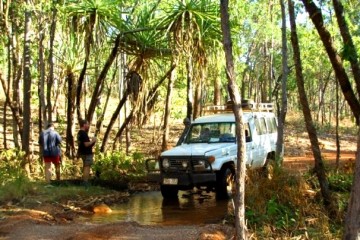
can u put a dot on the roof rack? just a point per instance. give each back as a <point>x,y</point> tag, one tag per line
<point>246,105</point>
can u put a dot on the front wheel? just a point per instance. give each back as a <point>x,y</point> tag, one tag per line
<point>225,183</point>
<point>169,192</point>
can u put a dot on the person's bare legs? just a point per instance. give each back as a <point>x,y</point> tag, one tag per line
<point>86,173</point>
<point>47,172</point>
<point>57,171</point>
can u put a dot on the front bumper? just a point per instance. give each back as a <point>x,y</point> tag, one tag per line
<point>182,179</point>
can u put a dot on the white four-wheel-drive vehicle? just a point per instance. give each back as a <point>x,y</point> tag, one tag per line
<point>206,157</point>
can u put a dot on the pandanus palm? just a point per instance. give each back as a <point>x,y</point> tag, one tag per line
<point>96,20</point>
<point>190,24</point>
<point>147,49</point>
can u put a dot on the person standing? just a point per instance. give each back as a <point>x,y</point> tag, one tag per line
<point>49,142</point>
<point>85,145</point>
<point>187,124</point>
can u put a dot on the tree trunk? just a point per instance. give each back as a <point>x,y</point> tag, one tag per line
<point>8,90</point>
<point>197,100</point>
<point>123,126</point>
<point>79,88</point>
<point>343,79</point>
<point>88,42</point>
<point>319,166</point>
<point>263,84</point>
<point>100,81</point>
<point>350,51</point>
<point>70,145</point>
<point>101,118</point>
<point>27,90</point>
<point>14,108</point>
<point>322,91</point>
<point>50,78</point>
<point>167,113</point>
<point>128,140</point>
<point>284,76</point>
<point>189,95</point>
<point>240,225</point>
<point>217,90</point>
<point>352,219</point>
<point>112,121</point>
<point>337,126</point>
<point>41,90</point>
<point>17,73</point>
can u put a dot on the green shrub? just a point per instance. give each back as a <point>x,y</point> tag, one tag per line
<point>340,182</point>
<point>117,166</point>
<point>14,183</point>
<point>287,206</point>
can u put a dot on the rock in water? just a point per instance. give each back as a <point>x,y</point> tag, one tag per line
<point>102,208</point>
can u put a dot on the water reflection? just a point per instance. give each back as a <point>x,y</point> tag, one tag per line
<point>149,208</point>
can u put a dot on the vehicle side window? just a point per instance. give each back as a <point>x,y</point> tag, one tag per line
<point>271,125</point>
<point>274,123</point>
<point>248,137</point>
<point>260,126</point>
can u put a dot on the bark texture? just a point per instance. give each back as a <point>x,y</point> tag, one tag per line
<point>336,61</point>
<point>240,224</point>
<point>319,165</point>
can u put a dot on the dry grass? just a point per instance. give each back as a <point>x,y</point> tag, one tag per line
<point>287,207</point>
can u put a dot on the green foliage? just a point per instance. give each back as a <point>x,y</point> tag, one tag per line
<point>340,182</point>
<point>14,183</point>
<point>285,216</point>
<point>117,166</point>
<point>10,161</point>
<point>272,201</point>
<point>348,53</point>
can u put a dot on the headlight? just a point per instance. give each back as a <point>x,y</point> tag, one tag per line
<point>184,164</point>
<point>202,163</point>
<point>165,163</point>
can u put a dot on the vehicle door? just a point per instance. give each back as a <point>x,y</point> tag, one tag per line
<point>260,142</point>
<point>252,143</point>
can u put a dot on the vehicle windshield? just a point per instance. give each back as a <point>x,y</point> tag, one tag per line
<point>211,133</point>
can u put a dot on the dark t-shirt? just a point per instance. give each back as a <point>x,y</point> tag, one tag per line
<point>83,137</point>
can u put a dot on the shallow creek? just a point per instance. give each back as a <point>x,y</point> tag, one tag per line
<point>149,208</point>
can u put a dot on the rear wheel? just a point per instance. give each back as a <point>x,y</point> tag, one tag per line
<point>169,192</point>
<point>225,183</point>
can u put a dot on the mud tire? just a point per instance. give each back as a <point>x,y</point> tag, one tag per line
<point>225,182</point>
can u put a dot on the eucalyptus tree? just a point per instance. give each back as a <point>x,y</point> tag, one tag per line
<point>41,68</point>
<point>352,223</point>
<point>258,47</point>
<point>284,100</point>
<point>352,220</point>
<point>240,223</point>
<point>11,18</point>
<point>349,49</point>
<point>319,165</point>
<point>27,84</point>
<point>45,14</point>
<point>335,59</point>
<point>5,28</point>
<point>50,60</point>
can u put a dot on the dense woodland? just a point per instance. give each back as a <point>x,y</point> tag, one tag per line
<point>117,63</point>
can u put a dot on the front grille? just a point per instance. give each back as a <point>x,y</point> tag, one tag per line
<point>176,162</point>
